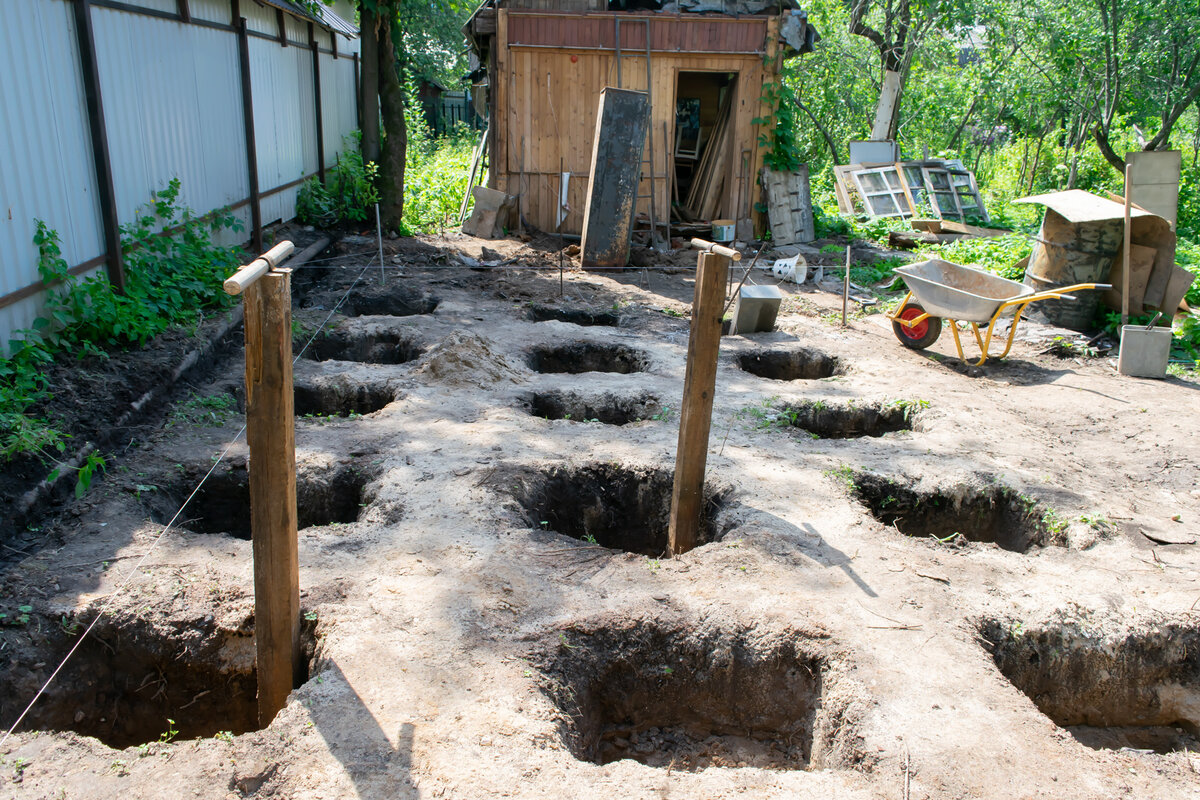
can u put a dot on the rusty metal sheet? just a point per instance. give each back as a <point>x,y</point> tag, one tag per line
<point>621,125</point>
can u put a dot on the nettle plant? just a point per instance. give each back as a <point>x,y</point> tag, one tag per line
<point>172,278</point>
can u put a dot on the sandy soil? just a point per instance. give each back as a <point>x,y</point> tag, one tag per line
<point>993,597</point>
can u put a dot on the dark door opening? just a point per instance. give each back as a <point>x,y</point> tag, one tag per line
<point>703,142</point>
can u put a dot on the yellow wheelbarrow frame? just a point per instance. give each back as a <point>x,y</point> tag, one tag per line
<point>1019,304</point>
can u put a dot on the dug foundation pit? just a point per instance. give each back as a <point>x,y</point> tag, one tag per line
<point>394,299</point>
<point>609,409</point>
<point>341,398</point>
<point>576,316</point>
<point>671,696</point>
<point>617,506</point>
<point>579,357</point>
<point>1110,688</point>
<point>132,681</point>
<point>789,365</point>
<point>846,420</point>
<point>982,511</point>
<point>380,347</point>
<point>324,496</point>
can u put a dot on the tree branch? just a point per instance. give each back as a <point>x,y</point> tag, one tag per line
<point>1101,137</point>
<point>820,127</point>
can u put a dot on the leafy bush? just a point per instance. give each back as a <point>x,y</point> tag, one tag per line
<point>170,280</point>
<point>998,254</point>
<point>435,180</point>
<point>348,193</point>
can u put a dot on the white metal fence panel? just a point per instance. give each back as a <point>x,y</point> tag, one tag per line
<point>45,150</point>
<point>284,126</point>
<point>340,112</point>
<point>173,109</point>
<point>172,106</point>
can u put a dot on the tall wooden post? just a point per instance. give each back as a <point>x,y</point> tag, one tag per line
<point>695,415</point>
<point>271,434</point>
<point>1125,251</point>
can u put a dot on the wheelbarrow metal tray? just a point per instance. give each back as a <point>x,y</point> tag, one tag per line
<point>950,290</point>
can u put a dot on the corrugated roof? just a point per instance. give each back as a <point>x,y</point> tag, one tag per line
<point>326,18</point>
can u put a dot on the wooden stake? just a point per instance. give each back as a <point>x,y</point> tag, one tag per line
<point>695,416</point>
<point>1128,268</point>
<point>846,285</point>
<point>270,432</point>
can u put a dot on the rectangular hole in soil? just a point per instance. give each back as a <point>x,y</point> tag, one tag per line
<point>129,677</point>
<point>340,398</point>
<point>1109,687</point>
<point>844,421</point>
<point>222,505</point>
<point>577,316</point>
<point>609,409</point>
<point>789,365</point>
<point>383,347</point>
<point>983,511</point>
<point>671,696</point>
<point>611,505</point>
<point>579,357</point>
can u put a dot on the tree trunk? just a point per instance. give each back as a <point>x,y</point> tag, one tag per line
<point>887,112</point>
<point>820,127</point>
<point>369,85</point>
<point>395,144</point>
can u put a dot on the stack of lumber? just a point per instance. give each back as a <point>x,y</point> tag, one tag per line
<point>704,196</point>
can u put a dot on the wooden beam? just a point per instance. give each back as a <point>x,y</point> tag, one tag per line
<point>695,415</point>
<point>101,159</point>
<point>271,435</point>
<point>185,12</point>
<point>316,68</point>
<point>279,21</point>
<point>256,232</point>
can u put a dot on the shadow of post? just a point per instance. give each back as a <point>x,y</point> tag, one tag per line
<point>377,767</point>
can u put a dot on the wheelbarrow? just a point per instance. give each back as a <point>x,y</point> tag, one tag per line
<point>942,290</point>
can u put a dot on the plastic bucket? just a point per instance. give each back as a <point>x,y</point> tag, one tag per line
<point>723,230</point>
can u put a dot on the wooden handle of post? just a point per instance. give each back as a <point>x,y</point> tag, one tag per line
<point>719,249</point>
<point>237,283</point>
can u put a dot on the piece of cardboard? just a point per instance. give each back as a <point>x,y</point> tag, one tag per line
<point>1143,263</point>
<point>1177,287</point>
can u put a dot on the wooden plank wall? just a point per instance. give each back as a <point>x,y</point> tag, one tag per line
<point>546,101</point>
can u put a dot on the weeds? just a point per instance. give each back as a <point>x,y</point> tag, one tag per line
<point>348,193</point>
<point>211,411</point>
<point>169,280</point>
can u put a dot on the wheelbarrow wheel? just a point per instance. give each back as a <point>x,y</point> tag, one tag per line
<point>921,335</point>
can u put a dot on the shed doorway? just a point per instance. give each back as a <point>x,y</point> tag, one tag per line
<point>703,142</point>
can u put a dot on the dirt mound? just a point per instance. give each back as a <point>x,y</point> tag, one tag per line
<point>464,359</point>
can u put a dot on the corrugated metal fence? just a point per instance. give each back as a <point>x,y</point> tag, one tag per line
<point>169,75</point>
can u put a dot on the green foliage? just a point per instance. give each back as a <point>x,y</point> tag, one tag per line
<point>348,194</point>
<point>435,180</point>
<point>210,411</point>
<point>998,254</point>
<point>780,128</point>
<point>170,280</point>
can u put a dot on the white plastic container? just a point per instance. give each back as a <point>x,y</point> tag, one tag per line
<point>1144,352</point>
<point>723,230</point>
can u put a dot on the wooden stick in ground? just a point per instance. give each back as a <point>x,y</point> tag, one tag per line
<point>695,415</point>
<point>846,285</point>
<point>270,432</point>
<point>1127,267</point>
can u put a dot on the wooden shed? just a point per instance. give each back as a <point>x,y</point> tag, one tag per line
<point>546,62</point>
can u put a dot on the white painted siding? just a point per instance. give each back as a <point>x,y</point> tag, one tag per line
<point>173,109</point>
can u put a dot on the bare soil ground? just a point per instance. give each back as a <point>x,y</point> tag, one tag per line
<point>917,579</point>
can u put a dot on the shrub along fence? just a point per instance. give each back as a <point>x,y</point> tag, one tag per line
<point>239,101</point>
